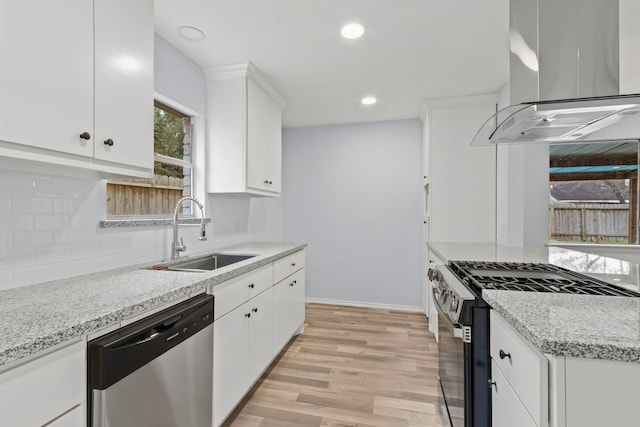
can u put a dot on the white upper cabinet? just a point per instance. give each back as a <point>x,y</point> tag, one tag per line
<point>245,132</point>
<point>46,77</point>
<point>124,82</point>
<point>76,84</point>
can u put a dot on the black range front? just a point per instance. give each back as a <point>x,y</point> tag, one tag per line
<point>464,330</point>
<point>463,350</point>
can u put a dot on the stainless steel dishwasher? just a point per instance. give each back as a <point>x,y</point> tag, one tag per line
<point>155,372</point>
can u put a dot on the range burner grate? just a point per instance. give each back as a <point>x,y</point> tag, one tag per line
<point>531,277</point>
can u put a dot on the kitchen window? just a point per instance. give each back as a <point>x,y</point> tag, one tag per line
<point>172,175</point>
<point>593,193</point>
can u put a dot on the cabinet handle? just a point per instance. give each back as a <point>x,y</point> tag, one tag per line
<point>266,181</point>
<point>504,355</point>
<point>293,283</point>
<point>247,315</point>
<point>85,135</point>
<point>251,286</point>
<point>293,264</point>
<point>493,384</point>
<point>255,310</point>
<point>109,142</point>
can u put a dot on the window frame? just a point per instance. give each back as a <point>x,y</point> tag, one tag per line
<point>196,141</point>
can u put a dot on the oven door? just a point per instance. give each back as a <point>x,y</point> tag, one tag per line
<point>451,368</point>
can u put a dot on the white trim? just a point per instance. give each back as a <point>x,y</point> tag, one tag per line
<point>413,309</point>
<point>244,70</point>
<point>171,160</point>
<point>461,101</point>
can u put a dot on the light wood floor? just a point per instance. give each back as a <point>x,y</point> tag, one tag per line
<point>351,367</point>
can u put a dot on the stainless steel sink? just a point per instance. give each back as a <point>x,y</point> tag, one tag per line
<point>207,263</point>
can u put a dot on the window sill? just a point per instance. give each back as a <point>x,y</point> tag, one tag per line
<point>147,222</point>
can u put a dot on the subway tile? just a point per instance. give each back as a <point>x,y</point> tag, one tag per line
<point>31,205</point>
<point>13,222</point>
<point>16,185</point>
<point>6,279</point>
<point>31,275</point>
<point>5,204</point>
<point>51,222</point>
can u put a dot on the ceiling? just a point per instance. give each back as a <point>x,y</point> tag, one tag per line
<point>411,50</point>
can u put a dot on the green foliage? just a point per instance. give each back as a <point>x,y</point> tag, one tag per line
<point>168,139</point>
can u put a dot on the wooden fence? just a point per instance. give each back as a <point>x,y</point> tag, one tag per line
<point>589,222</point>
<point>157,195</point>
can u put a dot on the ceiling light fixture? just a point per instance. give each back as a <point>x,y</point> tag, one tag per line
<point>352,31</point>
<point>369,100</point>
<point>191,33</point>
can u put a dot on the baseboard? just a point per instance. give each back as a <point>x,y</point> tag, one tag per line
<point>367,305</point>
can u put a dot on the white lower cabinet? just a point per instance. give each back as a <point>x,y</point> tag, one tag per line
<point>523,368</point>
<point>532,389</point>
<point>243,348</point>
<point>50,390</point>
<point>289,296</point>
<point>254,321</point>
<point>74,418</point>
<point>230,361</point>
<point>507,409</point>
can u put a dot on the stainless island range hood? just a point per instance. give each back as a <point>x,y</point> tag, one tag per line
<point>574,73</point>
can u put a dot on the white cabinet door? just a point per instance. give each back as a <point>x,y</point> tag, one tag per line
<point>37,392</point>
<point>506,409</point>
<point>289,296</point>
<point>261,349</point>
<point>264,140</point>
<point>46,76</point>
<point>74,418</point>
<point>230,361</point>
<point>124,82</point>
<point>244,122</point>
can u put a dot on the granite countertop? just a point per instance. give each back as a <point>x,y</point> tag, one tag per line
<point>597,327</point>
<point>43,315</point>
<point>594,327</point>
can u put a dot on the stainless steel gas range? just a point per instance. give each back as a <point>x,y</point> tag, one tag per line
<point>463,325</point>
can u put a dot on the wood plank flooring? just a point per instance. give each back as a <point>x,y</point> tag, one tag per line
<point>351,367</point>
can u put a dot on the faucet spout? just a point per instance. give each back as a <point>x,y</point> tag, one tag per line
<point>176,247</point>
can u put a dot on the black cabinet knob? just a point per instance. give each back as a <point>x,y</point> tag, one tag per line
<point>267,181</point>
<point>109,142</point>
<point>492,384</point>
<point>85,135</point>
<point>251,286</point>
<point>255,310</point>
<point>247,315</point>
<point>504,355</point>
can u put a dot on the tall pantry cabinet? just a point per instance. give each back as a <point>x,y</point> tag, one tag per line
<point>459,180</point>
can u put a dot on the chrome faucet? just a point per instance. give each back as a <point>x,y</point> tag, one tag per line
<point>175,247</point>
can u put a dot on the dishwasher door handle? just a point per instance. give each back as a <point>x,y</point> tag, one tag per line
<point>150,334</point>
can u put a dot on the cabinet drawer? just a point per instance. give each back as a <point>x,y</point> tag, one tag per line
<point>523,367</point>
<point>288,265</point>
<point>39,391</point>
<point>506,409</point>
<point>235,292</point>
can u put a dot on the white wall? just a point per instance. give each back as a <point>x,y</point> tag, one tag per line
<point>49,223</point>
<point>522,200</point>
<point>353,193</point>
<point>462,191</point>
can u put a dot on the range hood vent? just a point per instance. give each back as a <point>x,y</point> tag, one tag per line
<point>573,77</point>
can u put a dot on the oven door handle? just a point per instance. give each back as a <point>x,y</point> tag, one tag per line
<point>455,325</point>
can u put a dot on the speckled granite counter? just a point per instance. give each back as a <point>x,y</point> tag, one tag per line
<point>593,327</point>
<point>41,316</point>
<point>596,327</point>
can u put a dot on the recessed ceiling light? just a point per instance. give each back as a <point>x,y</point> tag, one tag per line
<point>191,33</point>
<point>352,31</point>
<point>369,100</point>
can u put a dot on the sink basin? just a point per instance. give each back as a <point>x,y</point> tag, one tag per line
<point>207,263</point>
